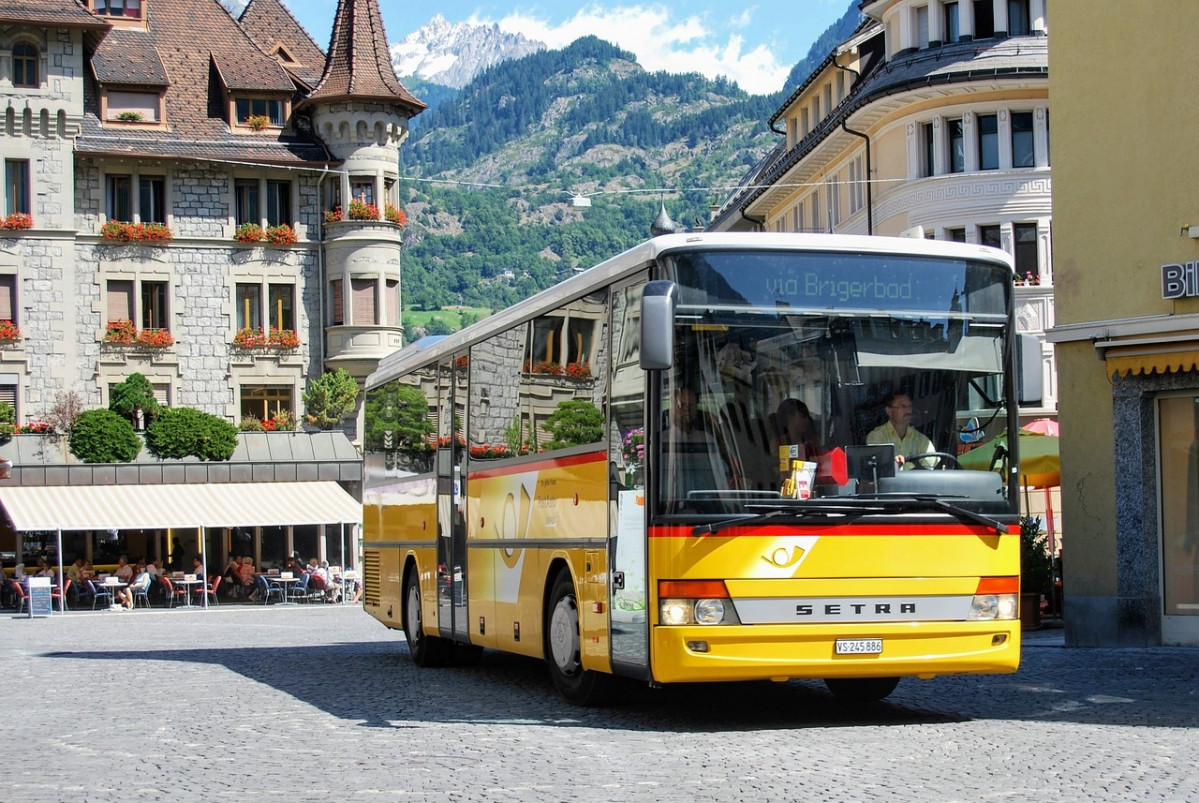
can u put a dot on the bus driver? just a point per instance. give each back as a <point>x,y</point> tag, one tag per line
<point>897,430</point>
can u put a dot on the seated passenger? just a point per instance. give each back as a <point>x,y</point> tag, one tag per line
<point>797,428</point>
<point>909,442</point>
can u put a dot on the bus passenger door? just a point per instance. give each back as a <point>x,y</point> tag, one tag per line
<point>451,498</point>
<point>628,586</point>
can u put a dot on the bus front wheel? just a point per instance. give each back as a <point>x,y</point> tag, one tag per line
<point>562,651</point>
<point>424,650</point>
<point>861,690</point>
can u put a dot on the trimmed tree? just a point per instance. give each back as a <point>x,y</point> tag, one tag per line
<point>330,399</point>
<point>134,394</point>
<point>181,431</point>
<point>102,436</point>
<point>573,423</point>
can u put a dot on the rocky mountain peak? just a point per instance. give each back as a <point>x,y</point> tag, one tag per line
<point>452,54</point>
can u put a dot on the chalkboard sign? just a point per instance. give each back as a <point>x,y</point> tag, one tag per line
<point>41,603</point>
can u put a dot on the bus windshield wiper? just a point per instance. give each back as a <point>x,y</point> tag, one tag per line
<point>789,509</point>
<point>921,500</point>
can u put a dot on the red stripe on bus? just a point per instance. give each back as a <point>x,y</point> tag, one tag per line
<point>774,530</point>
<point>540,465</point>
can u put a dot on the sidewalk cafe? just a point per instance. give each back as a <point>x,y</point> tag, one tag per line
<point>269,521</point>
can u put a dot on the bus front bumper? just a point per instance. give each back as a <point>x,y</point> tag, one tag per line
<point>694,653</point>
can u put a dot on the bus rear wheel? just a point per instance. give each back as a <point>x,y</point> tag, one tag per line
<point>424,650</point>
<point>861,690</point>
<point>580,686</point>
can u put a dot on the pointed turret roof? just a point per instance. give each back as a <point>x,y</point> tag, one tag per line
<point>358,63</point>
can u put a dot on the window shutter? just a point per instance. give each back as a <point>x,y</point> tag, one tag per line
<point>363,311</point>
<point>8,395</point>
<point>162,394</point>
<point>8,295</point>
<point>336,308</point>
<point>120,300</point>
<point>392,309</point>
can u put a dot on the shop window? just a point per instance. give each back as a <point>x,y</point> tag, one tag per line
<point>25,65</point>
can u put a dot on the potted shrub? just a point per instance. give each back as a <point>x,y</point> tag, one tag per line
<point>249,233</point>
<point>1036,571</point>
<point>131,117</point>
<point>102,436</point>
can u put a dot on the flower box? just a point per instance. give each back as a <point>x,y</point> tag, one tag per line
<point>395,215</point>
<point>17,221</point>
<point>249,233</point>
<point>360,210</point>
<point>116,231</point>
<point>120,332</point>
<point>257,122</point>
<point>283,339</point>
<point>282,234</point>
<point>9,331</point>
<point>334,215</point>
<point>155,338</point>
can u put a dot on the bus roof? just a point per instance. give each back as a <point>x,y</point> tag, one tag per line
<point>645,254</point>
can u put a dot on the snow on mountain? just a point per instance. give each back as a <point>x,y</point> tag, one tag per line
<point>454,54</point>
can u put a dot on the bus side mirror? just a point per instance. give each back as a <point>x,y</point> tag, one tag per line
<point>1029,360</point>
<point>658,300</point>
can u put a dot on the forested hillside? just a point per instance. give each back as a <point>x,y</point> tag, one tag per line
<point>491,169</point>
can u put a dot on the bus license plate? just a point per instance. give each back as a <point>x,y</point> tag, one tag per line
<point>859,646</point>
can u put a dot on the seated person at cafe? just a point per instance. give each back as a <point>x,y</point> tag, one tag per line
<point>124,572</point>
<point>295,566</point>
<point>332,584</point>
<point>897,430</point>
<point>141,583</point>
<point>198,568</point>
<point>229,582</point>
<point>74,570</point>
<point>245,576</point>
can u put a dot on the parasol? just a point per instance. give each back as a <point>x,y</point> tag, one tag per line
<point>1040,465</point>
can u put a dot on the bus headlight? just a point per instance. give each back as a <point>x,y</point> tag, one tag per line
<point>709,611</point>
<point>675,612</point>
<point>690,602</point>
<point>985,607</point>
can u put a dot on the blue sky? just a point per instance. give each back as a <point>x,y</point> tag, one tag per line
<point>755,45</point>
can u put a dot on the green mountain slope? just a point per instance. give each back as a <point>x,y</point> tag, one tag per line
<point>490,170</point>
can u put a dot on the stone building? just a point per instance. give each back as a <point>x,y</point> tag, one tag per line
<point>210,201</point>
<point>931,120</point>
<point>219,191</point>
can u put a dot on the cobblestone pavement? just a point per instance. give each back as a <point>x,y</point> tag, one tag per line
<point>321,703</point>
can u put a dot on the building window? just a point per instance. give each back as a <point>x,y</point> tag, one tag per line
<point>278,203</point>
<point>953,32</point>
<point>24,65</point>
<point>281,313</point>
<point>922,27</point>
<point>363,190</point>
<point>856,180</point>
<point>363,303</point>
<point>1023,154</point>
<point>249,306</point>
<point>814,205</point>
<point>797,217</point>
<point>832,196</point>
<point>8,298</point>
<point>154,305</point>
<point>955,235</point>
<point>927,161</point>
<point>956,138</point>
<point>16,186</point>
<point>118,8</point>
<point>245,202</point>
<point>9,395</point>
<point>1024,236</point>
<point>1018,22</point>
<point>989,235</point>
<point>984,19</point>
<point>152,199</point>
<point>246,108</point>
<point>336,303</point>
<point>988,142</point>
<point>119,198</point>
<point>132,107</point>
<point>265,401</point>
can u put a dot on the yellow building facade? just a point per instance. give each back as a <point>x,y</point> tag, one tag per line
<point>1126,256</point>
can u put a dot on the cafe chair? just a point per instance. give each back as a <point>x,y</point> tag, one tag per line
<point>299,591</point>
<point>268,589</point>
<point>99,593</point>
<point>21,595</point>
<point>83,594</point>
<point>60,594</point>
<point>142,595</point>
<point>174,593</point>
<point>209,590</point>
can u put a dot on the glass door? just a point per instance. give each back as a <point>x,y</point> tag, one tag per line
<point>1178,448</point>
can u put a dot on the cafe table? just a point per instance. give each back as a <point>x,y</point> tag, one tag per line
<point>187,581</point>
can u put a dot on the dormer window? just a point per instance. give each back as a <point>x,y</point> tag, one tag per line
<point>24,65</point>
<point>250,110</point>
<point>122,106</point>
<point>118,8</point>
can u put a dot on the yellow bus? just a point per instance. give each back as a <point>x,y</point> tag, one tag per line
<point>714,457</point>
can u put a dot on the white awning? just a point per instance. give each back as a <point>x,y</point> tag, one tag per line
<point>147,507</point>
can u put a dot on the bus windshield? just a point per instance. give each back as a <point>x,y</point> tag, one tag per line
<point>804,376</point>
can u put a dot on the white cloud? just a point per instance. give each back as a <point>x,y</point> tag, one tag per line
<point>662,40</point>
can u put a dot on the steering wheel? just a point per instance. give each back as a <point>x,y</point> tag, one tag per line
<point>944,460</point>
